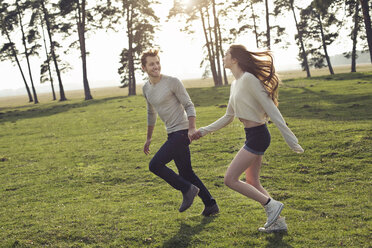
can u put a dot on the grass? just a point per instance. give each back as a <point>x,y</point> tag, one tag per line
<point>73,174</point>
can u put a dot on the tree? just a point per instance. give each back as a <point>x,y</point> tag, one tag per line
<point>206,12</point>
<point>367,24</point>
<point>318,19</point>
<point>207,29</point>
<point>53,27</point>
<point>226,81</point>
<point>254,9</point>
<point>140,25</point>
<point>353,11</point>
<point>76,10</point>
<point>9,51</point>
<point>31,37</point>
<point>249,11</point>
<point>45,67</point>
<point>288,5</point>
<point>267,15</point>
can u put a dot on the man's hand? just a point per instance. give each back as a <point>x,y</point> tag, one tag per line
<point>146,148</point>
<point>191,133</point>
<point>195,135</point>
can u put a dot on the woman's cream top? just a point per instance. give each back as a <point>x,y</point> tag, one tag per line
<point>249,100</point>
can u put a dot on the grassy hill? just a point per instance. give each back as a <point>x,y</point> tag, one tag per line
<point>73,174</point>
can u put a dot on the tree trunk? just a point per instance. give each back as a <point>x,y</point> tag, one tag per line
<point>47,57</point>
<point>217,44</point>
<point>302,48</point>
<point>52,51</point>
<point>211,61</point>
<point>26,53</point>
<point>81,32</point>
<point>213,53</point>
<point>221,51</point>
<point>131,74</point>
<point>19,65</point>
<point>133,80</point>
<point>129,49</point>
<point>325,46</point>
<point>267,25</point>
<point>355,36</point>
<point>255,26</point>
<point>367,24</point>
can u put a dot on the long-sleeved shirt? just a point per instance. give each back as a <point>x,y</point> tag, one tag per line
<point>249,100</point>
<point>170,100</point>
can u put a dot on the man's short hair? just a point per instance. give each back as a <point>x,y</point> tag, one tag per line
<point>149,53</point>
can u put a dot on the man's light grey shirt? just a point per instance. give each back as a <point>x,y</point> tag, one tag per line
<point>170,100</point>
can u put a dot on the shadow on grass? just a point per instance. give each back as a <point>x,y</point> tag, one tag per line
<point>323,105</point>
<point>204,97</point>
<point>309,103</point>
<point>336,77</point>
<point>185,234</point>
<point>276,240</point>
<point>36,111</point>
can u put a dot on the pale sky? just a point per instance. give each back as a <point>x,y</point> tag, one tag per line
<point>180,56</point>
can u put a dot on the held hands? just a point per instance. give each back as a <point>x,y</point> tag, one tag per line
<point>194,134</point>
<point>146,148</point>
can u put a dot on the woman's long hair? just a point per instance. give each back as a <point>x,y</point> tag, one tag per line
<point>264,70</point>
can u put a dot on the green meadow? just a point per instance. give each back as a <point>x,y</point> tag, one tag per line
<point>73,174</point>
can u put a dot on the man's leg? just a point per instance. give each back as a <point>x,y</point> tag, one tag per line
<point>183,162</point>
<point>159,168</point>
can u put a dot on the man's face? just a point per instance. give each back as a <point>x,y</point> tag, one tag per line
<point>152,67</point>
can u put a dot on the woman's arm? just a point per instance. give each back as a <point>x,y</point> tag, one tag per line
<point>221,122</point>
<point>260,94</point>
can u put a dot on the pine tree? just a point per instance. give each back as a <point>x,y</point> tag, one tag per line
<point>28,38</point>
<point>206,12</point>
<point>318,19</point>
<point>76,12</point>
<point>8,51</point>
<point>367,23</point>
<point>289,5</point>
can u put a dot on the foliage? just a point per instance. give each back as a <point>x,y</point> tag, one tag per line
<point>321,25</point>
<point>70,179</point>
<point>141,23</point>
<point>361,36</point>
<point>207,13</point>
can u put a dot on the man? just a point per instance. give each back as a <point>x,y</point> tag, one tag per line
<point>167,97</point>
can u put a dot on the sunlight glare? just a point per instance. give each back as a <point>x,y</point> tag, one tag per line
<point>185,2</point>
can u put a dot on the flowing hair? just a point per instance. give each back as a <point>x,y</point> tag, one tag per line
<point>263,69</point>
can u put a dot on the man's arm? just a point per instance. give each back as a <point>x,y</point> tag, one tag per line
<point>192,127</point>
<point>146,148</point>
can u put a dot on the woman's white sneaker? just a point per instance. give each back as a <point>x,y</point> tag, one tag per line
<point>278,226</point>
<point>273,210</point>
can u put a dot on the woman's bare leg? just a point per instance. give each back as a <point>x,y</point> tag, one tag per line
<point>252,175</point>
<point>242,161</point>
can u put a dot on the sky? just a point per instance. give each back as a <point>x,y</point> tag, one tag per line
<point>180,56</point>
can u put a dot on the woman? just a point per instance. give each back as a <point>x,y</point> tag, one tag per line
<point>253,98</point>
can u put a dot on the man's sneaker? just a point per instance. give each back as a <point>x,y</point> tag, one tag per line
<point>273,209</point>
<point>278,226</point>
<point>211,210</point>
<point>188,197</point>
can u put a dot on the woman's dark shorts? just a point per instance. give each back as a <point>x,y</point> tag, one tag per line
<point>257,139</point>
